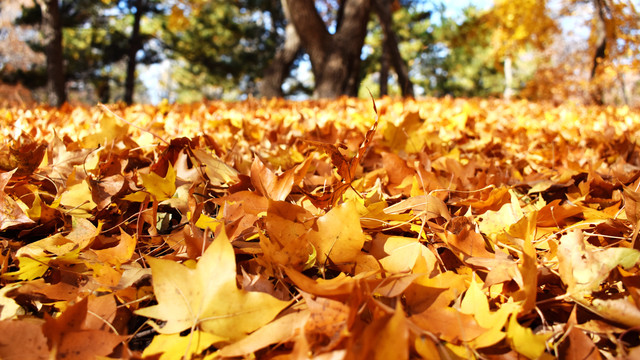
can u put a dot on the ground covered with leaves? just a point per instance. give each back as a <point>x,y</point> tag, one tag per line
<point>448,229</point>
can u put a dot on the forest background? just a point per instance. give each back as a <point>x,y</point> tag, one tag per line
<point>101,51</point>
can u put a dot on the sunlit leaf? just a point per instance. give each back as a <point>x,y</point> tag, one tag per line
<point>208,297</point>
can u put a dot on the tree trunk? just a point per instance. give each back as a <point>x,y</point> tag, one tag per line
<point>384,68</point>
<point>383,10</point>
<point>133,50</point>
<point>103,90</point>
<point>508,78</point>
<point>52,34</point>
<point>597,93</point>
<point>335,59</point>
<point>278,70</point>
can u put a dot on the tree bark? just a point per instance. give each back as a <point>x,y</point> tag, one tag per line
<point>508,78</point>
<point>335,59</point>
<point>135,45</point>
<point>383,10</point>
<point>597,93</point>
<point>278,70</point>
<point>384,68</point>
<point>52,34</point>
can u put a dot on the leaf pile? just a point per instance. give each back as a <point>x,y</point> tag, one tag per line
<point>448,229</point>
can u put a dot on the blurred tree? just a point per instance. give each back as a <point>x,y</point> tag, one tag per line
<point>95,42</point>
<point>234,60</point>
<point>448,56</point>
<point>138,8</point>
<point>335,58</point>
<point>280,66</point>
<point>615,35</point>
<point>52,38</point>
<point>56,19</point>
<point>224,43</point>
<point>466,66</point>
<point>600,68</point>
<point>519,25</point>
<point>384,10</point>
<point>332,15</point>
<point>16,56</point>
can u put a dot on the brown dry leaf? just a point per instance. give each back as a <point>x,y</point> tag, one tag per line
<point>576,344</point>
<point>462,237</point>
<point>277,187</point>
<point>328,322</point>
<point>556,215</point>
<point>23,339</point>
<point>384,338</point>
<point>80,237</point>
<point>431,206</point>
<point>632,210</point>
<point>68,339</point>
<point>242,209</point>
<point>528,267</point>
<point>120,253</point>
<point>285,242</point>
<point>24,155</point>
<point>446,322</point>
<point>11,215</point>
<point>340,285</point>
<point>493,201</point>
<point>216,170</point>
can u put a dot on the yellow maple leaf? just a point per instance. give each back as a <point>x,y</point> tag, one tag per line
<point>524,341</point>
<point>77,198</point>
<point>175,346</point>
<point>339,236</point>
<point>476,303</point>
<point>161,188</point>
<point>207,296</point>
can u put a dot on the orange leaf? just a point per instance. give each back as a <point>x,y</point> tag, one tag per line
<point>68,339</point>
<point>276,187</point>
<point>23,339</point>
<point>284,242</point>
<point>11,215</point>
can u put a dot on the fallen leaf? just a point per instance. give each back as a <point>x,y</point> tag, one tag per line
<point>208,297</point>
<point>577,344</point>
<point>524,341</point>
<point>177,346</point>
<point>279,331</point>
<point>67,339</point>
<point>285,242</point>
<point>276,187</point>
<point>77,200</point>
<point>23,340</point>
<point>339,237</point>
<point>216,170</point>
<point>11,215</point>
<point>583,269</point>
<point>161,188</point>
